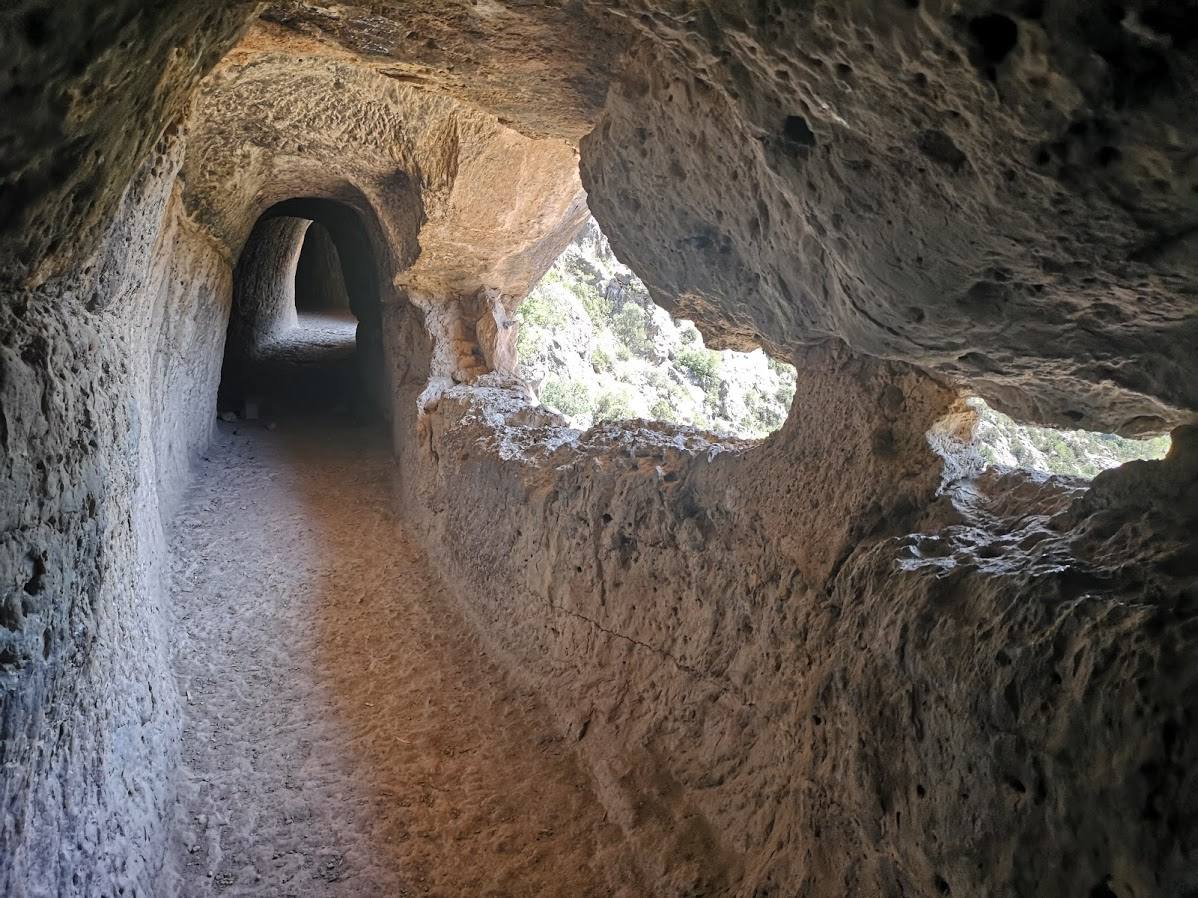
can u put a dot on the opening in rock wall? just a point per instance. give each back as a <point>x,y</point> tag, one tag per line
<point>305,289</point>
<point>319,282</point>
<point>595,347</point>
<point>1003,442</point>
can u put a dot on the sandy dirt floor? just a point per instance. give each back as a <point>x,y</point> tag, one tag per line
<point>344,734</point>
<point>316,338</point>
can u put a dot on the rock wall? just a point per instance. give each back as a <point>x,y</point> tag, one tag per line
<point>108,387</point>
<point>1002,192</point>
<point>264,291</point>
<point>795,669</point>
<point>85,96</point>
<point>272,127</point>
<point>793,666</point>
<point>110,362</point>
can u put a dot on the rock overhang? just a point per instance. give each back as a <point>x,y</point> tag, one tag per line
<point>1001,193</point>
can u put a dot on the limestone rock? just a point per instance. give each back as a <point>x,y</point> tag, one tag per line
<point>1004,195</point>
<point>807,665</point>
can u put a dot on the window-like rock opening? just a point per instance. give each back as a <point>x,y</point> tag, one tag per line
<point>305,295</point>
<point>1003,442</point>
<point>595,347</point>
<point>319,282</point>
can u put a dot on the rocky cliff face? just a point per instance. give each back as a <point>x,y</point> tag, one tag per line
<point>978,189</point>
<point>819,664</point>
<point>108,390</point>
<point>969,187</point>
<point>112,356</point>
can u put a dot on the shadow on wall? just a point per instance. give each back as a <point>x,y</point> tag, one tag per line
<point>304,332</point>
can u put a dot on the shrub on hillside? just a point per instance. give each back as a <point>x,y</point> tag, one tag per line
<point>614,405</point>
<point>629,327</point>
<point>702,365</point>
<point>601,361</point>
<point>570,397</point>
<point>541,310</point>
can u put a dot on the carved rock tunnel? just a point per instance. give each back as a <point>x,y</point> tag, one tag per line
<point>327,356</point>
<point>445,644</point>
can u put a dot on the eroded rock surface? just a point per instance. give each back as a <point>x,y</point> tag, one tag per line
<point>432,172</point>
<point>1006,195</point>
<point>773,674</point>
<point>107,389</point>
<point>802,666</point>
<point>1003,193</point>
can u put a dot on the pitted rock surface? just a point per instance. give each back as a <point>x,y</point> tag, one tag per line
<point>828,663</point>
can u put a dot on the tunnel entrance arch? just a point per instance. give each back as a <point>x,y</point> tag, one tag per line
<point>305,338</point>
<point>319,282</point>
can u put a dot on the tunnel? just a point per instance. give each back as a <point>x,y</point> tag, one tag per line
<point>304,328</point>
<point>319,280</point>
<point>338,559</point>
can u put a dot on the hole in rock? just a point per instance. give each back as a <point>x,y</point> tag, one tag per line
<point>305,306</point>
<point>995,36</point>
<point>596,348</point>
<point>37,27</point>
<point>798,132</point>
<point>939,147</point>
<point>1003,442</point>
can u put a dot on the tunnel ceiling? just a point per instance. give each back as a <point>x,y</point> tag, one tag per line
<point>461,201</point>
<point>1003,193</point>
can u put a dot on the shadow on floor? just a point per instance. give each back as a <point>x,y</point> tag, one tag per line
<point>310,369</point>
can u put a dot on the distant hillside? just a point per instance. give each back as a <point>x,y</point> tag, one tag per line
<point>1081,453</point>
<point>596,348</point>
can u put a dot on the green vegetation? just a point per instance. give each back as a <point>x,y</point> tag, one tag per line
<point>629,327</point>
<point>540,310</point>
<point>614,405</point>
<point>702,365</point>
<point>601,361</point>
<point>663,410</point>
<point>1080,453</point>
<point>570,397</point>
<point>597,349</point>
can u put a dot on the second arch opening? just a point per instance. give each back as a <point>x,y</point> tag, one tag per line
<point>304,333</point>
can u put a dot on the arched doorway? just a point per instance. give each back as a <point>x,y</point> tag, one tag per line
<point>304,329</point>
<point>319,282</point>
